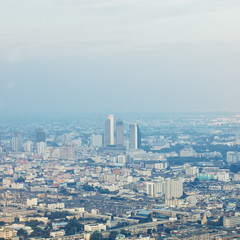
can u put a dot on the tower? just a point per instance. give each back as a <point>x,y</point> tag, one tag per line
<point>40,141</point>
<point>135,136</point>
<point>174,188</point>
<point>109,131</point>
<point>119,132</point>
<point>17,144</point>
<point>40,135</point>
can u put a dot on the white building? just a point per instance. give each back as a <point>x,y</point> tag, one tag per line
<point>135,136</point>
<point>95,227</point>
<point>40,147</point>
<point>187,152</point>
<point>229,222</point>
<point>192,171</point>
<point>28,146</point>
<point>32,202</point>
<point>223,176</point>
<point>233,157</point>
<point>155,188</point>
<point>95,211</point>
<point>109,131</point>
<point>173,188</point>
<point>17,143</point>
<point>96,140</point>
<point>121,159</point>
<point>57,234</point>
<point>56,206</point>
<point>7,233</point>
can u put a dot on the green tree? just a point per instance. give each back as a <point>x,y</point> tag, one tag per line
<point>96,236</point>
<point>113,235</point>
<point>167,230</point>
<point>22,234</point>
<point>73,227</point>
<point>32,223</point>
<point>37,232</point>
<point>20,180</point>
<point>149,231</point>
<point>56,215</point>
<point>126,233</point>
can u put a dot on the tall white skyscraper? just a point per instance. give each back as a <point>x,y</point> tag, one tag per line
<point>135,136</point>
<point>109,131</point>
<point>174,188</point>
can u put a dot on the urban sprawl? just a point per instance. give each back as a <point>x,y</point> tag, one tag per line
<point>175,177</point>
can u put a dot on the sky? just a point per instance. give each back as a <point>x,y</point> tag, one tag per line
<point>74,56</point>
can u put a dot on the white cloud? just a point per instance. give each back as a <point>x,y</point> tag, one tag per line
<point>69,27</point>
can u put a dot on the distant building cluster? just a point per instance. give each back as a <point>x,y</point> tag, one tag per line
<point>177,178</point>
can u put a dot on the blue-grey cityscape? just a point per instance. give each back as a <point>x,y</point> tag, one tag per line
<point>121,176</point>
<point>119,119</point>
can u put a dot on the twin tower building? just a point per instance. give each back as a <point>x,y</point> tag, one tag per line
<point>109,134</point>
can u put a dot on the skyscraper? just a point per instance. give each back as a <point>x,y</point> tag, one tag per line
<point>96,140</point>
<point>119,132</point>
<point>174,188</point>
<point>40,135</point>
<point>17,143</point>
<point>135,136</point>
<point>109,131</point>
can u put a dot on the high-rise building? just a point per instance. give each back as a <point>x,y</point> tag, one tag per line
<point>40,147</point>
<point>233,157</point>
<point>109,131</point>
<point>173,188</point>
<point>154,188</point>
<point>135,136</point>
<point>17,143</point>
<point>28,146</point>
<point>40,135</point>
<point>119,132</point>
<point>150,188</point>
<point>96,140</point>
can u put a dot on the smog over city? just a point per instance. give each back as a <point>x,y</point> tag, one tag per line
<point>119,119</point>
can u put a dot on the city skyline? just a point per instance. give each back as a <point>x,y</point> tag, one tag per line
<point>119,120</point>
<point>57,174</point>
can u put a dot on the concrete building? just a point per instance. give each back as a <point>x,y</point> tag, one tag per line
<point>119,132</point>
<point>154,188</point>
<point>173,188</point>
<point>109,131</point>
<point>192,171</point>
<point>134,136</point>
<point>28,146</point>
<point>233,157</point>
<point>32,202</point>
<point>96,140</point>
<point>230,222</point>
<point>17,144</point>
<point>187,152</point>
<point>95,227</point>
<point>40,135</point>
<point>40,147</point>
<point>7,233</point>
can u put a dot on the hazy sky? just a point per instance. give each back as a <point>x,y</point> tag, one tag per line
<point>119,55</point>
